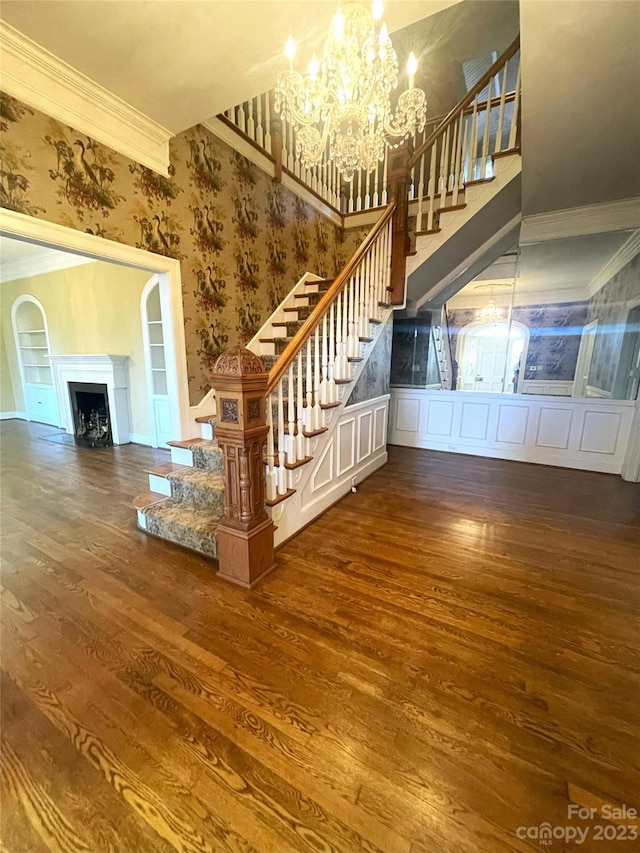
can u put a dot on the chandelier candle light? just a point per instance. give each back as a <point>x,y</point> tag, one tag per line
<point>344,102</point>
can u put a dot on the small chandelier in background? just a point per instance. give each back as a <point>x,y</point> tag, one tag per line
<point>490,313</point>
<point>345,99</point>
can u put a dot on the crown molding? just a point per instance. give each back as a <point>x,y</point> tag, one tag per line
<point>625,253</point>
<point>580,221</point>
<point>43,262</point>
<point>47,83</point>
<point>522,299</point>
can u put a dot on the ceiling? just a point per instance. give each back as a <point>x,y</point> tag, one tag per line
<point>19,259</point>
<point>182,61</point>
<point>554,270</point>
<point>580,107</point>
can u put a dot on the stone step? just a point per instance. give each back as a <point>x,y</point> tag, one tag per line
<point>189,526</point>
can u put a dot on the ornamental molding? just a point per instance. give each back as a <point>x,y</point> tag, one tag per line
<point>43,81</point>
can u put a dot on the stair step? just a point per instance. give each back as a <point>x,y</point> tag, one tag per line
<point>384,305</point>
<point>354,359</point>
<point>452,207</point>
<point>207,419</point>
<point>344,381</point>
<point>166,469</point>
<point>430,231</point>
<point>365,340</point>
<point>185,525</point>
<point>329,405</point>
<point>479,181</point>
<point>279,498</point>
<point>144,500</point>
<point>374,321</point>
<point>185,443</point>
<point>291,466</point>
<point>506,153</point>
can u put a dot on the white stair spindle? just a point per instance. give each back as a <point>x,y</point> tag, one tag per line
<point>376,186</point>
<point>317,410</point>
<point>466,160</point>
<point>474,142</point>
<point>251,124</point>
<point>351,195</point>
<point>420,168</point>
<point>324,383</point>
<point>444,169</point>
<point>513,133</point>
<point>352,299</point>
<point>300,439</point>
<point>267,124</point>
<point>385,193</point>
<point>242,121</point>
<point>340,355</point>
<point>271,476</point>
<point>282,471</point>
<point>503,97</point>
<point>291,418</point>
<point>259,124</point>
<point>308,409</point>
<point>485,139</point>
<point>367,195</point>
<point>332,355</point>
<point>432,183</point>
<point>457,177</point>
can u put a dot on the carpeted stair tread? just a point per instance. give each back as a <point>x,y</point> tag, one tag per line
<point>207,419</point>
<point>199,488</point>
<point>189,526</point>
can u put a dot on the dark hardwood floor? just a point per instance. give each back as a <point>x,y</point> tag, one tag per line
<point>442,658</point>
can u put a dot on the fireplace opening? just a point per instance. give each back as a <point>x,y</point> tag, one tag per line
<point>91,421</point>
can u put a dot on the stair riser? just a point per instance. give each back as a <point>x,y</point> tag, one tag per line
<point>204,543</point>
<point>182,456</point>
<point>212,460</point>
<point>159,484</point>
<point>206,431</point>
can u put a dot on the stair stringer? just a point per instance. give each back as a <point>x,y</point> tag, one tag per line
<point>507,170</point>
<point>302,507</point>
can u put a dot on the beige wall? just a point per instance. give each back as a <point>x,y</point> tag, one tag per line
<point>93,308</point>
<point>7,401</point>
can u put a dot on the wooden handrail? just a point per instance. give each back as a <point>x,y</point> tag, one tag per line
<point>294,346</point>
<point>461,106</point>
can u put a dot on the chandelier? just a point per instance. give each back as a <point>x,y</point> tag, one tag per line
<point>344,102</point>
<point>490,313</point>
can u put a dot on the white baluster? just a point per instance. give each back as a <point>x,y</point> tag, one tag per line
<point>444,169</point>
<point>332,355</point>
<point>271,476</point>
<point>485,139</point>
<point>259,124</point>
<point>308,410</point>
<point>376,186</point>
<point>251,124</point>
<point>300,439</point>
<point>367,195</point>
<point>432,183</point>
<point>317,409</point>
<point>503,98</point>
<point>242,121</point>
<point>474,142</point>
<point>364,299</point>
<point>267,124</point>
<point>385,193</point>
<point>324,383</point>
<point>350,341</point>
<point>339,369</point>
<point>373,290</point>
<point>351,182</point>
<point>291,418</point>
<point>282,471</point>
<point>514,118</point>
<point>420,191</point>
<point>457,177</point>
<point>466,154</point>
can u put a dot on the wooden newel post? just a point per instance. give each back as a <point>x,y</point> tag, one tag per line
<point>398,180</point>
<point>245,534</point>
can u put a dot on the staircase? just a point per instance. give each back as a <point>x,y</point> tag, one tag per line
<point>319,339</point>
<point>314,346</point>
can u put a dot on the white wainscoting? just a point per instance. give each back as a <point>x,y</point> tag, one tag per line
<point>584,433</point>
<point>357,447</point>
<point>548,387</point>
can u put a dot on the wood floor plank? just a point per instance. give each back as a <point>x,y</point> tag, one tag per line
<point>448,654</point>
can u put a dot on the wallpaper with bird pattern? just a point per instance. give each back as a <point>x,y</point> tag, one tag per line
<point>242,239</point>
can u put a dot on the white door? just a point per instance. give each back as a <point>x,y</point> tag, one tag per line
<point>491,362</point>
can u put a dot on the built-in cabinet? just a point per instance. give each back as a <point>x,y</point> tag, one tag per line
<point>33,351</point>
<point>153,334</point>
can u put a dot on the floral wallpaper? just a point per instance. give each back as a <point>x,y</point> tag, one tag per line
<point>242,239</point>
<point>609,307</point>
<point>374,380</point>
<point>555,332</point>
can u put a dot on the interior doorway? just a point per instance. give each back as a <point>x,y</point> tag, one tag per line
<point>491,357</point>
<point>627,382</point>
<point>32,347</point>
<point>154,335</point>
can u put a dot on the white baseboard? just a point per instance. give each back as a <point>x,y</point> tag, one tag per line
<point>140,439</point>
<point>11,416</point>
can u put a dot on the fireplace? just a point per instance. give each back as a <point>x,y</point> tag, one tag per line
<point>91,420</point>
<point>106,373</point>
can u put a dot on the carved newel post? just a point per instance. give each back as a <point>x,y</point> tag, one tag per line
<point>398,180</point>
<point>245,534</point>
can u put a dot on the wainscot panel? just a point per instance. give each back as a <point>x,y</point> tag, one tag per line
<point>587,433</point>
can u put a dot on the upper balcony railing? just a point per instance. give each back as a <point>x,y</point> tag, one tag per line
<point>451,151</point>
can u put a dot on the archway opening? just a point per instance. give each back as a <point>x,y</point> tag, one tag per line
<point>491,357</point>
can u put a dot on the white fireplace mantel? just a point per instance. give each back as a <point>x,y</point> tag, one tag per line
<point>109,370</point>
